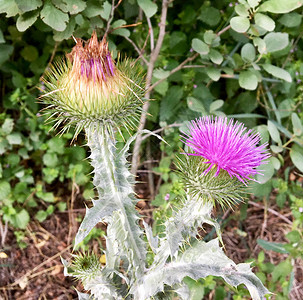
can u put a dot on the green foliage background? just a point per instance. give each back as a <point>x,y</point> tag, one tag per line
<point>252,71</point>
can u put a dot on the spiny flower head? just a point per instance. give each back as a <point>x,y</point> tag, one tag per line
<point>89,87</point>
<point>226,145</point>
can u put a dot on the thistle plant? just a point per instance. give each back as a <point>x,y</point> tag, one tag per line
<point>92,92</point>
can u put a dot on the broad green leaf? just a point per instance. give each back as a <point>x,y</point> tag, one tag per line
<point>196,105</point>
<point>277,247</point>
<point>286,107</point>
<point>260,44</point>
<point>210,16</point>
<point>149,7</point>
<point>280,6</point>
<point>296,156</point>
<point>5,52</point>
<point>294,236</point>
<point>107,7</point>
<point>199,46</point>
<point>266,172</point>
<point>75,6</point>
<point>275,162</point>
<point>9,7</point>
<point>248,52</point>
<point>240,24</point>
<point>94,8</point>
<point>253,3</point>
<point>248,80</point>
<point>274,132</point>
<point>67,33</point>
<point>26,5</point>
<point>209,36</point>
<point>281,271</point>
<point>160,73</point>
<point>29,53</point>
<point>216,105</point>
<point>170,103</point>
<point>213,73</point>
<point>50,159</point>
<point>5,190</point>
<point>291,20</point>
<point>7,126</point>
<point>265,22</point>
<point>26,20</point>
<point>276,41</point>
<point>21,219</point>
<point>277,72</point>
<point>53,17</point>
<point>296,124</point>
<point>242,10</point>
<point>215,56</point>
<point>14,138</point>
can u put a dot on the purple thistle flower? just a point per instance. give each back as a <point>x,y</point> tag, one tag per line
<point>226,145</point>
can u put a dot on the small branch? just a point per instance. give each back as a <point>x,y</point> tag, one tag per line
<point>160,129</point>
<point>223,30</point>
<point>271,211</point>
<point>176,69</point>
<point>153,57</point>
<point>151,32</point>
<point>111,16</point>
<point>140,52</point>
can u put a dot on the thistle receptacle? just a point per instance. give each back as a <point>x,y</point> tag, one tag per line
<point>89,87</point>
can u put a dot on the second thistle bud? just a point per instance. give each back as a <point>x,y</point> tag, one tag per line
<point>89,87</point>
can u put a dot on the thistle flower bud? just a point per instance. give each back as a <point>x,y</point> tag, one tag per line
<point>89,87</point>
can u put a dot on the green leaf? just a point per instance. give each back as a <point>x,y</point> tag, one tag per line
<point>75,6</point>
<point>296,156</point>
<point>277,247</point>
<point>29,53</point>
<point>149,7</point>
<point>291,20</point>
<point>248,52</point>
<point>215,105</point>
<point>5,52</point>
<point>5,190</point>
<point>213,73</point>
<point>53,17</point>
<point>7,126</point>
<point>274,132</point>
<point>253,3</point>
<point>120,31</point>
<point>2,40</point>
<point>215,56</point>
<point>294,236</point>
<point>277,72</point>
<point>26,20</point>
<point>276,41</point>
<point>199,46</point>
<point>25,5</point>
<point>196,105</point>
<point>280,6</point>
<point>260,44</point>
<point>106,10</point>
<point>41,215</point>
<point>296,124</point>
<point>281,271</point>
<point>22,219</point>
<point>265,22</point>
<point>170,103</point>
<point>242,10</point>
<point>267,171</point>
<point>240,24</point>
<point>67,33</point>
<point>209,37</point>
<point>14,138</point>
<point>94,8</point>
<point>50,159</point>
<point>210,16</point>
<point>248,80</point>
<point>9,7</point>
